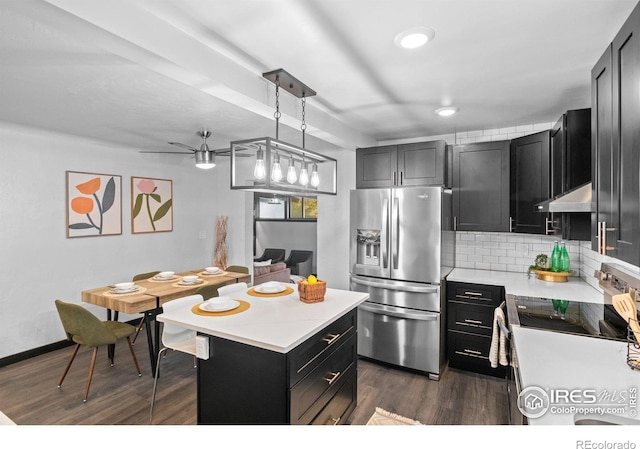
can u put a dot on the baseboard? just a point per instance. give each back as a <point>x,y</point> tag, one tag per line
<point>35,352</point>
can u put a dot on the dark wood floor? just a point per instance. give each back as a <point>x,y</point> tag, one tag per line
<point>28,393</point>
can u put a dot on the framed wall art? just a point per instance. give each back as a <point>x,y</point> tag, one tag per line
<point>94,204</point>
<point>151,205</point>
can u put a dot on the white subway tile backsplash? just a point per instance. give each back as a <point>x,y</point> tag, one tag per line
<point>524,128</point>
<point>509,130</point>
<point>499,137</point>
<point>505,251</point>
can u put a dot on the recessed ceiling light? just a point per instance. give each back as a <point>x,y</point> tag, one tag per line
<point>415,37</point>
<point>446,111</point>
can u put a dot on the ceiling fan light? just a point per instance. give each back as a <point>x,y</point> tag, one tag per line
<point>205,159</point>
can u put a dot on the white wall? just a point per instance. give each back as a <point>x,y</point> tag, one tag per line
<point>40,264</point>
<point>333,224</point>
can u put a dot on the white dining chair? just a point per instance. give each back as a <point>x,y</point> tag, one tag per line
<point>231,288</point>
<point>176,338</point>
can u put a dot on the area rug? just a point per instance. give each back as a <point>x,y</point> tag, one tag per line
<point>382,417</point>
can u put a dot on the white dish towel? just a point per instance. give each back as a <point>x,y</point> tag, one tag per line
<point>498,350</point>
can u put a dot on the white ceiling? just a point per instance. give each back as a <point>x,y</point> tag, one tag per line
<point>144,72</point>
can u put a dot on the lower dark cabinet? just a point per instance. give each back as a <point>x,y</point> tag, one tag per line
<point>470,310</point>
<point>314,383</point>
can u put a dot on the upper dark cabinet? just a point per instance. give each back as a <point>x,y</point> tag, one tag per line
<point>412,164</point>
<point>570,167</point>
<point>615,142</point>
<point>529,182</point>
<point>481,186</point>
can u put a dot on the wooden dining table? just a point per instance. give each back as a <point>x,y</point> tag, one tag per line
<point>151,295</point>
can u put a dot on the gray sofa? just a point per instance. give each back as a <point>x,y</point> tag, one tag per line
<point>273,272</point>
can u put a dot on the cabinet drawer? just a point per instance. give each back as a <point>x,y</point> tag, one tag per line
<point>469,347</point>
<point>472,318</point>
<point>313,392</point>
<point>471,352</point>
<point>490,295</point>
<point>341,404</point>
<point>304,358</point>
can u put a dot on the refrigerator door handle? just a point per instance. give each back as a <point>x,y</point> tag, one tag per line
<point>396,233</point>
<point>401,288</point>
<point>398,312</point>
<point>384,237</point>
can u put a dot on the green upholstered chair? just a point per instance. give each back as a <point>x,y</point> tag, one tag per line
<point>237,269</point>
<point>210,291</point>
<point>85,329</point>
<point>140,277</point>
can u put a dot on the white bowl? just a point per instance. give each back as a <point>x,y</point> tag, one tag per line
<point>166,274</point>
<point>189,278</point>
<point>124,285</point>
<point>212,270</point>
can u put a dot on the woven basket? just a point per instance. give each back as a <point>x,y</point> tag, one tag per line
<point>311,293</point>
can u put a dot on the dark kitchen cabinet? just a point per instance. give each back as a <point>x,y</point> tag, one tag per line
<point>617,216</point>
<point>411,164</point>
<point>481,186</point>
<point>470,310</point>
<point>314,383</point>
<point>570,167</point>
<point>529,182</point>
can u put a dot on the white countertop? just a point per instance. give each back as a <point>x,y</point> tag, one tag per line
<point>554,361</point>
<point>276,323</point>
<point>557,361</point>
<point>575,289</point>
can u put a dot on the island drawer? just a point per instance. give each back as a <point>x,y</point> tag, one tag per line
<point>313,392</point>
<point>490,295</point>
<point>465,317</point>
<point>304,358</point>
<point>341,404</point>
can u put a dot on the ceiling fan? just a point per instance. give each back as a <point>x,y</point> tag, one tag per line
<point>205,158</point>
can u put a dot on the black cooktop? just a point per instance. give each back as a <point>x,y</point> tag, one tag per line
<point>571,317</point>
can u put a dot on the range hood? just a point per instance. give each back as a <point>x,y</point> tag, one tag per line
<point>575,200</point>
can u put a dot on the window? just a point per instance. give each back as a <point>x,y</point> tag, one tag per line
<point>279,207</point>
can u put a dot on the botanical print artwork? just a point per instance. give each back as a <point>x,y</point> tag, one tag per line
<point>152,205</point>
<point>94,204</point>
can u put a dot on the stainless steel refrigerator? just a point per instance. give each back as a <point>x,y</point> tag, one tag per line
<point>401,248</point>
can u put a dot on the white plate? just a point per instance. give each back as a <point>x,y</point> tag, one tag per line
<point>220,304</point>
<point>218,273</point>
<point>160,278</point>
<point>270,287</point>
<point>198,281</point>
<point>121,291</point>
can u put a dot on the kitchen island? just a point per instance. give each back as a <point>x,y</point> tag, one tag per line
<point>281,361</point>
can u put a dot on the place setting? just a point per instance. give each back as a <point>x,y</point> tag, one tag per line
<point>270,289</point>
<point>164,276</point>
<point>188,281</point>
<point>212,271</point>
<point>220,306</point>
<point>125,288</point>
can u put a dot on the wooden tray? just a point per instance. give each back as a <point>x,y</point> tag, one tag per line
<point>552,276</point>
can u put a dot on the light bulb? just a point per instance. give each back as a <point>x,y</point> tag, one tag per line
<point>292,176</point>
<point>259,172</point>
<point>315,179</point>
<point>304,176</point>
<point>276,170</point>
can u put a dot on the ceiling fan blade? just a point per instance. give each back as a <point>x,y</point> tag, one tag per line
<point>227,152</point>
<point>166,152</point>
<point>182,145</point>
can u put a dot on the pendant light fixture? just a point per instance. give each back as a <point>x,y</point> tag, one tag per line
<point>265,172</point>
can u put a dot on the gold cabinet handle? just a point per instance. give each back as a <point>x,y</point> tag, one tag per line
<point>330,338</point>
<point>336,420</point>
<point>333,377</point>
